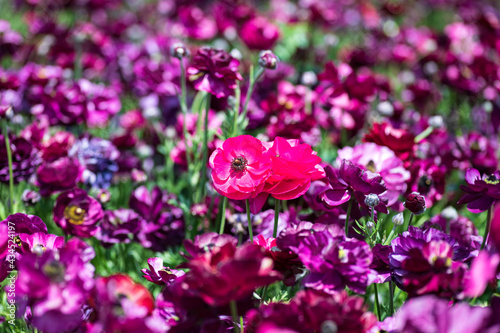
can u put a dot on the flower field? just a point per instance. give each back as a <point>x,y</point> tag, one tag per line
<point>281,166</point>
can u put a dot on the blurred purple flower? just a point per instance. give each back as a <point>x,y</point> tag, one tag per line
<point>25,159</point>
<point>158,274</point>
<point>481,191</point>
<point>118,226</point>
<point>58,175</point>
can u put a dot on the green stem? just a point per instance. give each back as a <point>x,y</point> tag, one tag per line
<point>253,79</point>
<point>250,232</point>
<point>389,238</point>
<point>11,173</point>
<point>205,151</point>
<point>234,315</point>
<point>377,304</point>
<point>263,297</point>
<point>424,134</point>
<point>348,214</point>
<point>237,96</point>
<point>487,229</point>
<point>183,101</point>
<point>276,217</point>
<point>241,325</point>
<point>391,299</point>
<point>410,220</point>
<point>223,216</point>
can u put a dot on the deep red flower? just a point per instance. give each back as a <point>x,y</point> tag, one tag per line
<point>399,140</point>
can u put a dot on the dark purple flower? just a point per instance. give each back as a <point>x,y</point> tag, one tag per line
<point>479,151</point>
<point>25,159</point>
<point>57,146</point>
<point>429,261</point>
<point>461,229</point>
<point>55,284</point>
<point>158,274</point>
<point>350,181</point>
<point>58,175</point>
<point>118,226</point>
<point>77,213</point>
<point>163,223</point>
<point>481,191</point>
<point>98,156</point>
<point>26,224</point>
<point>380,263</point>
<point>334,262</point>
<point>415,203</point>
<point>214,71</point>
<point>228,273</point>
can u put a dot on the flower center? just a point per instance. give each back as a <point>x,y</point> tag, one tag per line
<point>54,270</point>
<point>424,184</point>
<point>492,179</point>
<point>239,163</point>
<point>370,166</point>
<point>39,249</point>
<point>74,214</point>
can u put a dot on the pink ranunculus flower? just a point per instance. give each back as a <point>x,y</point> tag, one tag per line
<point>293,166</point>
<point>240,167</point>
<point>383,161</point>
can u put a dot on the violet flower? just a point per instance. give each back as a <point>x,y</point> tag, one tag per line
<point>481,191</point>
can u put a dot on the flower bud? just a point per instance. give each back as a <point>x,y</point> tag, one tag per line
<point>436,122</point>
<point>268,59</point>
<point>449,213</point>
<point>372,200</point>
<point>369,226</point>
<point>309,78</point>
<point>415,203</point>
<point>398,219</point>
<point>329,326</point>
<point>138,176</point>
<point>30,197</point>
<point>6,111</point>
<point>179,51</point>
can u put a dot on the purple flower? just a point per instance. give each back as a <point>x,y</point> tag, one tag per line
<point>30,197</point>
<point>56,284</point>
<point>432,314</point>
<point>118,226</point>
<point>40,242</point>
<point>163,223</point>
<point>350,181</point>
<point>158,274</point>
<point>26,224</point>
<point>98,156</point>
<point>481,191</point>
<point>334,262</point>
<point>381,160</point>
<point>58,175</point>
<point>415,203</point>
<point>25,159</point>
<point>214,71</point>
<point>429,261</point>
<point>77,213</point>
<point>460,228</point>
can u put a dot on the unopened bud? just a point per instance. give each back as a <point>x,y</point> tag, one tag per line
<point>449,213</point>
<point>398,219</point>
<point>30,197</point>
<point>329,326</point>
<point>372,200</point>
<point>268,59</point>
<point>415,203</point>
<point>179,51</point>
<point>436,122</point>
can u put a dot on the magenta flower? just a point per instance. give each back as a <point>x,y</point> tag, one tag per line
<point>481,191</point>
<point>158,274</point>
<point>214,71</point>
<point>56,284</point>
<point>58,175</point>
<point>259,34</point>
<point>40,242</point>
<point>240,167</point>
<point>293,167</point>
<point>77,213</point>
<point>118,226</point>
<point>350,181</point>
<point>381,160</point>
